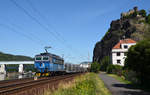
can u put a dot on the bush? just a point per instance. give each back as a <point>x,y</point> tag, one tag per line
<point>134,14</point>
<point>143,13</point>
<point>12,67</point>
<point>130,76</point>
<point>104,63</point>
<point>148,19</point>
<point>95,67</point>
<point>118,70</point>
<point>115,69</point>
<point>29,67</point>
<point>138,60</point>
<point>110,68</point>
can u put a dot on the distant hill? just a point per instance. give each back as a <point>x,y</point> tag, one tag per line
<point>134,24</point>
<point>10,57</point>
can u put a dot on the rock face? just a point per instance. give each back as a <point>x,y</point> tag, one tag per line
<point>133,26</point>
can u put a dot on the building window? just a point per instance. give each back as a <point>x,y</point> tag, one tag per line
<point>125,46</point>
<point>118,53</point>
<point>125,54</point>
<point>118,61</point>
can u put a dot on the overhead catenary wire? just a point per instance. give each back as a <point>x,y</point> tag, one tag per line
<point>58,35</point>
<point>32,36</point>
<point>32,17</point>
<point>19,33</point>
<point>41,25</point>
<point>28,35</point>
<point>36,20</point>
<point>44,19</point>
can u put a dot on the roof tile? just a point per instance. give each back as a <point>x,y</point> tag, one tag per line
<point>117,46</point>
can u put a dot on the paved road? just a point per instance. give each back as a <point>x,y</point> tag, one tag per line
<point>119,88</point>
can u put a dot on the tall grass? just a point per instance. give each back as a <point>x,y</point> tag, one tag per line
<point>88,84</point>
<point>121,79</point>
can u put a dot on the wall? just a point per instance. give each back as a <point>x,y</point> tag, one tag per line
<point>122,56</point>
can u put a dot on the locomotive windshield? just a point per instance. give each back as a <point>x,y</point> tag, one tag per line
<point>38,58</point>
<point>45,58</point>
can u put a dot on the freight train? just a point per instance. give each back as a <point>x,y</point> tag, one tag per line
<point>47,64</point>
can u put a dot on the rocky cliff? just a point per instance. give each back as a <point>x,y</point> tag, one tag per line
<point>134,25</point>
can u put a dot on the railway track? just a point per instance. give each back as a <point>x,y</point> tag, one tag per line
<point>11,88</point>
<point>7,82</point>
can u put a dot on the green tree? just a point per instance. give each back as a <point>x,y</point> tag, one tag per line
<point>115,69</point>
<point>95,67</point>
<point>143,13</point>
<point>148,19</point>
<point>138,60</point>
<point>12,67</point>
<point>104,63</point>
<point>110,68</point>
<point>29,67</point>
<point>134,14</point>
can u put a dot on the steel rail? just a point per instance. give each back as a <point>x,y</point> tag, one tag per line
<point>16,87</point>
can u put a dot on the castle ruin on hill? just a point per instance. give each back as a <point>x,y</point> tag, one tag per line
<point>131,11</point>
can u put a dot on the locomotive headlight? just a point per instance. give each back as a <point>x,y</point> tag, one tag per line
<point>43,65</point>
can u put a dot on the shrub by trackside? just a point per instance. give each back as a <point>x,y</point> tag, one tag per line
<point>115,69</point>
<point>138,60</point>
<point>95,67</point>
<point>89,84</point>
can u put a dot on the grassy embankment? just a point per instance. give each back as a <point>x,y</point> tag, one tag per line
<point>89,84</point>
<point>119,78</point>
<point>136,86</point>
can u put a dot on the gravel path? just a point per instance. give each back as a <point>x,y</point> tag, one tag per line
<point>119,88</point>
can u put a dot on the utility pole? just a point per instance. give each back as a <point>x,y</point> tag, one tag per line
<point>62,58</point>
<point>88,56</point>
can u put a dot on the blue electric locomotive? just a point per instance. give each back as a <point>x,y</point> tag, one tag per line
<point>47,64</point>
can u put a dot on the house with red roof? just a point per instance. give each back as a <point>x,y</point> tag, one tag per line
<point>119,51</point>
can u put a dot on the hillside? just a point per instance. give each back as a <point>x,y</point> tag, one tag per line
<point>10,57</point>
<point>134,24</point>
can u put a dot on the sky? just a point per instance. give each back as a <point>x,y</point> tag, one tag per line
<point>70,27</point>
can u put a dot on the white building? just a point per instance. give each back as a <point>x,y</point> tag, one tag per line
<point>119,51</point>
<point>85,65</point>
